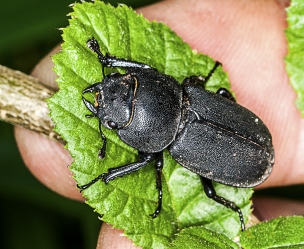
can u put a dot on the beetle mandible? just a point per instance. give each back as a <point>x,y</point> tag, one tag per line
<point>207,133</point>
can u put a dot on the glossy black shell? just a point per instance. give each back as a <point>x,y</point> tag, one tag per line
<point>157,111</point>
<point>223,141</point>
<point>203,131</point>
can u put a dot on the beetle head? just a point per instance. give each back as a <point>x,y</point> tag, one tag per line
<point>114,101</point>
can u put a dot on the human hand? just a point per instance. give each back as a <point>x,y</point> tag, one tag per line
<point>248,38</point>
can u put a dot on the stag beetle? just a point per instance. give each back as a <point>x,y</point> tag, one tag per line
<point>207,133</point>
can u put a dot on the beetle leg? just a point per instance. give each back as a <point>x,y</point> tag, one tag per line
<point>201,80</point>
<point>210,192</point>
<point>226,94</point>
<point>216,65</point>
<point>112,61</point>
<point>159,162</point>
<point>121,171</point>
<point>145,158</point>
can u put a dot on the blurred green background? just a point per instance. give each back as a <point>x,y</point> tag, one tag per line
<point>32,216</point>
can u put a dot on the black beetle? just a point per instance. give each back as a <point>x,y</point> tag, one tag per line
<point>207,133</point>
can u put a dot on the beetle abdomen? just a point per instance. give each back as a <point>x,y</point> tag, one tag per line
<point>229,115</point>
<point>223,141</point>
<point>222,156</point>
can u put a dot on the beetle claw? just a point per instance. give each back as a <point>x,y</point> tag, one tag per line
<point>93,45</point>
<point>92,88</point>
<point>90,106</point>
<point>102,153</point>
<point>156,213</point>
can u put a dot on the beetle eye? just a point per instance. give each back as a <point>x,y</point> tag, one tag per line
<point>112,125</point>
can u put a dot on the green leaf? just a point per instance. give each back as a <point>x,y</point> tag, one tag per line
<point>127,202</point>
<point>294,59</point>
<point>283,232</point>
<point>199,237</point>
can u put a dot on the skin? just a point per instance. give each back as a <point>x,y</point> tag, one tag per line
<point>247,37</point>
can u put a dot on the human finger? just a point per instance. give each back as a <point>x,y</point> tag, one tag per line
<point>248,38</point>
<point>46,159</point>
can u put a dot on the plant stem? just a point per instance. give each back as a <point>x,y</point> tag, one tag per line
<point>23,102</point>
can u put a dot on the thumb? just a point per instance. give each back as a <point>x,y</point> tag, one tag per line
<point>113,238</point>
